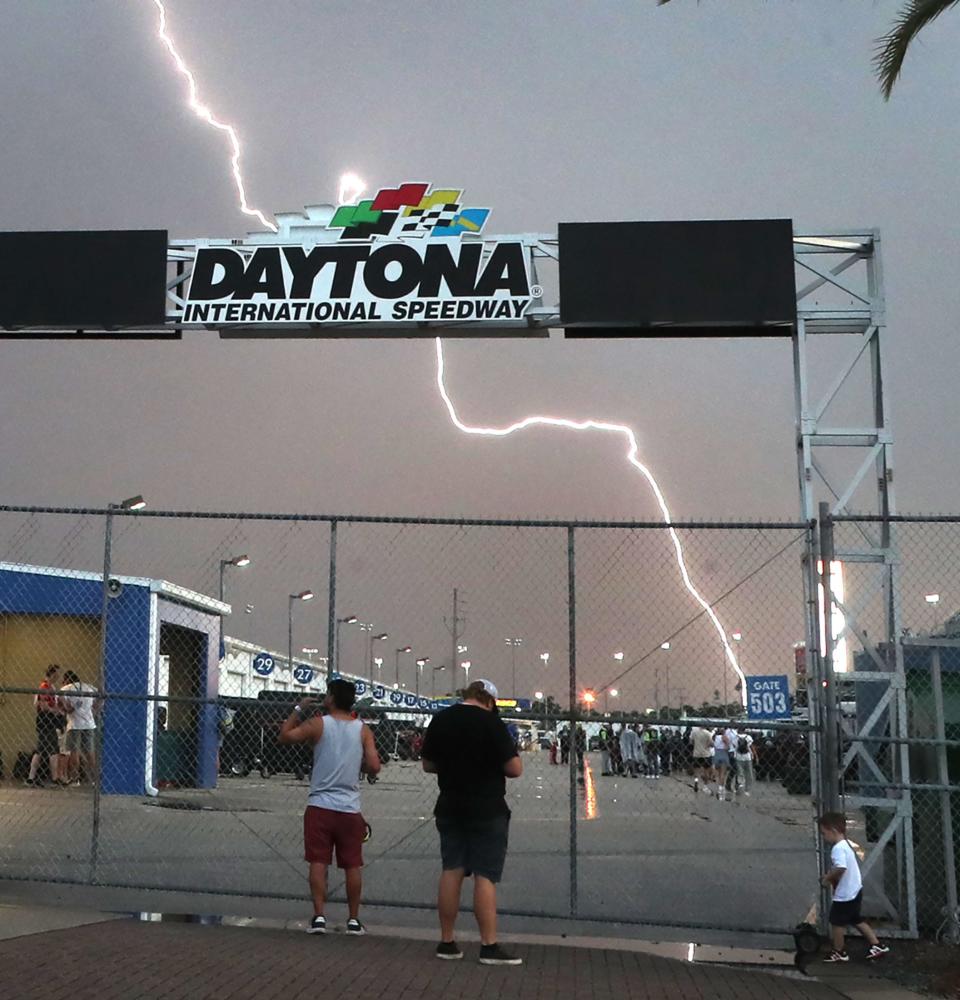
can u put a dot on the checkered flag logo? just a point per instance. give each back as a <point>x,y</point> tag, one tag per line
<point>419,222</point>
<point>410,211</point>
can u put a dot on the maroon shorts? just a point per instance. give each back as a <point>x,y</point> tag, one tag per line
<point>326,829</point>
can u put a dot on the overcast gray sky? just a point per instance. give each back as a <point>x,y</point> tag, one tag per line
<point>547,112</point>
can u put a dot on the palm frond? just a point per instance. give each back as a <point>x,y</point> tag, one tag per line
<point>892,48</point>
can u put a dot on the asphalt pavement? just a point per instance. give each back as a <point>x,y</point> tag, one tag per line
<point>648,852</point>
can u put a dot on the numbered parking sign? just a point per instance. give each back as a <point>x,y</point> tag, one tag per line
<point>768,697</point>
<point>263,664</point>
<point>424,703</point>
<point>379,692</point>
<point>302,674</point>
<point>396,697</point>
<point>361,688</point>
<point>410,700</point>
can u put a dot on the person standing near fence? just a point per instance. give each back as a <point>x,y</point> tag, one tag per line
<point>343,747</point>
<point>49,718</point>
<point>744,754</point>
<point>82,706</point>
<point>630,749</point>
<point>469,749</point>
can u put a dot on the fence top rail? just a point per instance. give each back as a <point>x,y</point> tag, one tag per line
<point>897,518</point>
<point>498,522</point>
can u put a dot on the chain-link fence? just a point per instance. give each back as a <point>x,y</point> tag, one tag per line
<point>898,686</point>
<point>655,678</point>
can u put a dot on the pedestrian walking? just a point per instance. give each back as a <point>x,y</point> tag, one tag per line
<point>343,749</point>
<point>469,749</point>
<point>702,758</point>
<point>721,761</point>
<point>847,883</point>
<point>82,707</point>
<point>731,734</point>
<point>744,755</point>
<point>565,746</point>
<point>49,719</point>
<point>580,746</point>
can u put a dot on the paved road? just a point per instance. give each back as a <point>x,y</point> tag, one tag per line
<point>649,851</point>
<point>127,959</point>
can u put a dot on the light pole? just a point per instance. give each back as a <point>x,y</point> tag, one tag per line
<point>539,696</point>
<point>396,664</point>
<point>304,595</point>
<point>378,660</point>
<point>348,620</point>
<point>934,601</point>
<point>546,659</point>
<point>466,664</point>
<point>737,638</point>
<point>656,675</point>
<point>370,641</point>
<point>433,679</point>
<point>421,663</point>
<point>131,503</point>
<point>613,693</point>
<point>233,561</point>
<point>513,643</point>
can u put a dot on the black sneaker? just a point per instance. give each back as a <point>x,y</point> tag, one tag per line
<point>355,927</point>
<point>449,950</point>
<point>837,956</point>
<point>493,954</point>
<point>318,926</point>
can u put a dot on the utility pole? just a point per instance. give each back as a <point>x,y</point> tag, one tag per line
<point>456,632</point>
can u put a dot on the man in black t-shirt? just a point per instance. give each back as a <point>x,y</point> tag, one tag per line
<point>471,752</point>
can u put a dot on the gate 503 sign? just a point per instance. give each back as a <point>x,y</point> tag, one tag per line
<point>768,697</point>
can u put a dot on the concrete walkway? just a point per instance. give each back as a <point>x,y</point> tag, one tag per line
<point>127,958</point>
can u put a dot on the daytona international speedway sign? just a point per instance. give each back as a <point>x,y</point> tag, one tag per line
<point>409,254</point>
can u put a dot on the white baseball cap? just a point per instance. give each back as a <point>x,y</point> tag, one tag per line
<point>489,687</point>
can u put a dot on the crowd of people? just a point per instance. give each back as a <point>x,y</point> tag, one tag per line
<point>721,760</point>
<point>66,727</point>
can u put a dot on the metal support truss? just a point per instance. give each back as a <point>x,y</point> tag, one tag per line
<point>845,457</point>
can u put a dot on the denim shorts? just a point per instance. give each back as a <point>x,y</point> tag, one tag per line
<point>721,758</point>
<point>478,846</point>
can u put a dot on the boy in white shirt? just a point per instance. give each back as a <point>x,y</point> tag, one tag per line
<point>844,877</point>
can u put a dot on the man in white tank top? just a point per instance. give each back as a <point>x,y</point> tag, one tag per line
<point>342,746</point>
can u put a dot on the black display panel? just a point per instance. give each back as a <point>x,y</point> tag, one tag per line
<point>684,279</point>
<point>93,279</point>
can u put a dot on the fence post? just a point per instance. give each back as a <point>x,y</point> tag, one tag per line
<point>831,748</point>
<point>946,816</point>
<point>572,732</point>
<point>102,689</point>
<point>332,651</point>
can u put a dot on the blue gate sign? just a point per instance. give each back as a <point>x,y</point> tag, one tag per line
<point>768,697</point>
<point>396,697</point>
<point>410,700</point>
<point>379,692</point>
<point>263,664</point>
<point>302,674</point>
<point>361,688</point>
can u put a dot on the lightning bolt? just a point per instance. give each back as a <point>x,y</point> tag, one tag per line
<point>205,114</point>
<point>633,449</point>
<point>351,187</point>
